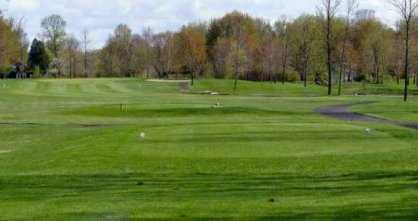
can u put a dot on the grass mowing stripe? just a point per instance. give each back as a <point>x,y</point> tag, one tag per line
<point>68,152</point>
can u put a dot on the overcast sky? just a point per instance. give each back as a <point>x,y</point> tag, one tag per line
<point>102,16</point>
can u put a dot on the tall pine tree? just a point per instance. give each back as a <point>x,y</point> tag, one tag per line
<point>38,57</point>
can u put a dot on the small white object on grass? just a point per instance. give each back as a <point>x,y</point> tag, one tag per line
<point>142,135</point>
<point>368,130</point>
<point>217,105</point>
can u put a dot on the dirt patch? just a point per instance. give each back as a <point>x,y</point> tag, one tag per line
<point>343,112</point>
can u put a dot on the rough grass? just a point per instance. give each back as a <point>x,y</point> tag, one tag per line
<point>69,152</point>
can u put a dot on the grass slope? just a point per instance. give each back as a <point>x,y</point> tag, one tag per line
<point>68,151</point>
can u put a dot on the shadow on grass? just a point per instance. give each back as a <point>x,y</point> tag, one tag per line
<point>29,187</point>
<point>126,111</point>
<point>375,212</point>
<point>203,188</point>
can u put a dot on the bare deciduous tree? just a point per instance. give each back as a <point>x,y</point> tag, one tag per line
<point>238,53</point>
<point>163,50</point>
<point>350,7</point>
<point>85,41</point>
<point>72,46</point>
<point>23,44</point>
<point>270,55</point>
<point>406,9</point>
<point>328,10</point>
<point>282,31</point>
<point>147,35</point>
<point>54,32</point>
<point>122,38</point>
<point>192,49</point>
<point>303,33</point>
<point>220,61</point>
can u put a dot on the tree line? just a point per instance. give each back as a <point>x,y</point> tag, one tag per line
<point>13,43</point>
<point>333,46</point>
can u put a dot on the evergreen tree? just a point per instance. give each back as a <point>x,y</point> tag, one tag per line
<point>38,57</point>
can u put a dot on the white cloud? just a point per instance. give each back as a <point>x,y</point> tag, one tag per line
<point>101,16</point>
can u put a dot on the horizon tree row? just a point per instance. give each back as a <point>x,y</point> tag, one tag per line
<point>326,48</point>
<point>238,46</point>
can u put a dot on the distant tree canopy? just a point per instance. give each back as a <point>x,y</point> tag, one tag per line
<point>117,57</point>
<point>235,46</point>
<point>191,43</point>
<point>54,31</point>
<point>306,47</point>
<point>9,43</point>
<point>238,39</point>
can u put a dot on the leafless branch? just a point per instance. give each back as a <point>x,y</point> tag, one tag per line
<point>406,8</point>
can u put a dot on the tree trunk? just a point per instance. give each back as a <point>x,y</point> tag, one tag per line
<point>406,68</point>
<point>328,39</point>
<point>376,65</point>
<point>236,78</point>
<point>85,65</point>
<point>70,67</point>
<point>416,79</point>
<point>350,73</point>
<point>305,69</point>
<point>349,76</point>
<point>340,80</point>
<point>342,70</point>
<point>342,58</point>
<point>284,64</point>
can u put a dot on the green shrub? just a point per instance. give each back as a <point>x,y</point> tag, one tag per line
<point>292,76</point>
<point>5,69</point>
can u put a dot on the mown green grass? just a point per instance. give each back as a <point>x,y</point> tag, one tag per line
<point>392,109</point>
<point>68,151</point>
<point>297,89</point>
